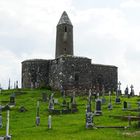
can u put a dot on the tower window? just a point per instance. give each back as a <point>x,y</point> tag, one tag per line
<point>76,77</point>
<point>65,49</point>
<point>65,28</point>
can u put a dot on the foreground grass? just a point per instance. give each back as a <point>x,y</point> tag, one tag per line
<point>65,127</point>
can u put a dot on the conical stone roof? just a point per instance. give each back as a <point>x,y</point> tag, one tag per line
<point>64,19</point>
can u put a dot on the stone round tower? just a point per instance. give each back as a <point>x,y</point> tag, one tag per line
<point>64,36</point>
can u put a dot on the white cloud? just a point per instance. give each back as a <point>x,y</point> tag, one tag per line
<point>130,4</point>
<point>27,30</point>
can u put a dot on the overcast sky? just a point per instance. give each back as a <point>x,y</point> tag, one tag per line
<point>108,31</point>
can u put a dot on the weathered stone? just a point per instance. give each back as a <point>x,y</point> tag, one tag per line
<point>70,72</point>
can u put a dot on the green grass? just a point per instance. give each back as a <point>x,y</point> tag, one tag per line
<point>65,127</point>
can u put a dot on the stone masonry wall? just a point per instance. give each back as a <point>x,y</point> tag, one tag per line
<point>105,75</point>
<point>35,73</point>
<point>71,72</point>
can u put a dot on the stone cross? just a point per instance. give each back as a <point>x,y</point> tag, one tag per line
<point>109,96</point>
<point>89,120</point>
<point>7,137</point>
<point>98,95</point>
<point>89,97</point>
<point>132,90</point>
<point>110,104</point>
<point>16,84</point>
<point>49,122</point>
<point>37,114</point>
<point>0,116</point>
<point>119,86</point>
<point>9,84</point>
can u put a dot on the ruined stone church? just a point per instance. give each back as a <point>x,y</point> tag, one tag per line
<point>67,70</point>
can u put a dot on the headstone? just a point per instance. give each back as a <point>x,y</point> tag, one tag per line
<point>44,97</point>
<point>62,91</point>
<point>0,116</point>
<point>49,122</point>
<point>9,84</point>
<point>37,115</point>
<point>119,88</point>
<point>51,105</point>
<point>7,137</point>
<point>55,112</point>
<point>89,120</point>
<point>55,101</point>
<point>16,84</point>
<point>98,104</point>
<point>132,90</point>
<point>126,91</point>
<point>73,104</point>
<point>139,105</point>
<point>125,105</point>
<point>6,107</point>
<point>103,95</point>
<point>22,109</point>
<point>12,99</point>
<point>117,100</point>
<point>110,104</point>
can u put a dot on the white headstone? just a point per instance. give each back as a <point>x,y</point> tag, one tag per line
<point>49,122</point>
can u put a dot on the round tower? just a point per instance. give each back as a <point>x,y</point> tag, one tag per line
<point>64,36</point>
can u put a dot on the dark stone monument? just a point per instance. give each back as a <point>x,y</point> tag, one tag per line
<point>44,97</point>
<point>0,116</point>
<point>98,104</point>
<point>103,95</point>
<point>118,92</point>
<point>125,105</point>
<point>49,122</point>
<point>12,99</point>
<point>6,107</point>
<point>110,104</point>
<point>22,109</point>
<point>126,91</point>
<point>132,93</point>
<point>51,103</point>
<point>7,137</point>
<point>73,104</point>
<point>37,114</point>
<point>89,120</point>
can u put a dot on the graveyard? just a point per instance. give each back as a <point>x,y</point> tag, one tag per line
<point>44,114</point>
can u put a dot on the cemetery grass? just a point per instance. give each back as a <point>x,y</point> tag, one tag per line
<point>67,126</point>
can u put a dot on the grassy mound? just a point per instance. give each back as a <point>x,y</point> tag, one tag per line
<point>66,126</point>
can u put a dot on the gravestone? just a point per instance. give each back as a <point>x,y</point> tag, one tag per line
<point>56,101</point>
<point>51,103</point>
<point>117,100</point>
<point>0,116</point>
<point>6,107</point>
<point>110,104</point>
<point>103,95</point>
<point>22,109</point>
<point>132,91</point>
<point>89,100</point>
<point>126,91</point>
<point>49,122</point>
<point>98,104</point>
<point>44,97</point>
<point>73,104</point>
<point>125,105</point>
<point>119,88</point>
<point>139,105</point>
<point>89,120</point>
<point>7,137</point>
<point>12,99</point>
<point>37,115</point>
